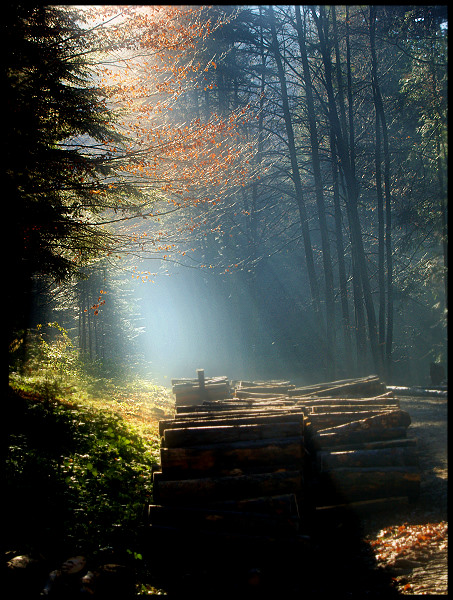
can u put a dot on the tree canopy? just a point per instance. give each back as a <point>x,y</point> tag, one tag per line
<point>296,155</point>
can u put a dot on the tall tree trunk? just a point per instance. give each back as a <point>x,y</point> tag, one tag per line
<point>351,185</point>
<point>341,261</point>
<point>443,216</point>
<point>327,260</point>
<point>380,213</point>
<point>297,180</point>
<point>381,122</point>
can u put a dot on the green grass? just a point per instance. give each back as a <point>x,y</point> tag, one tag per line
<point>79,461</point>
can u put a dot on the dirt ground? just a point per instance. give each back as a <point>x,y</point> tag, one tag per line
<point>410,541</point>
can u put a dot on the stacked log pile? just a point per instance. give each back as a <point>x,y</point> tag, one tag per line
<point>231,469</point>
<point>249,463</point>
<point>368,458</point>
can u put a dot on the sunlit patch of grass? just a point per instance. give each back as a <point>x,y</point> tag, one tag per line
<point>139,402</point>
<point>92,454</point>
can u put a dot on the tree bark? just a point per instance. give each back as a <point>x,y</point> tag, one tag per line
<point>232,458</point>
<point>394,418</point>
<point>322,421</point>
<point>331,439</point>
<point>187,437</point>
<point>204,490</point>
<point>382,457</point>
<point>320,203</point>
<point>314,288</point>
<point>245,412</point>
<point>385,334</point>
<point>239,420</point>
<point>351,184</point>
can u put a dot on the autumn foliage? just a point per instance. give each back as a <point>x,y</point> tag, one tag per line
<point>182,158</point>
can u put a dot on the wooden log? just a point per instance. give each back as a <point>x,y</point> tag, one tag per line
<point>233,404</point>
<point>226,404</point>
<point>210,489</point>
<point>336,399</point>
<point>186,437</point>
<point>337,383</point>
<point>214,385</point>
<point>259,395</point>
<point>283,505</point>
<point>326,408</point>
<point>354,484</point>
<point>381,443</point>
<point>233,458</point>
<point>240,420</point>
<point>330,439</point>
<point>195,382</point>
<point>209,519</point>
<point>375,401</point>
<point>322,421</point>
<point>258,385</point>
<point>229,414</point>
<point>382,457</point>
<point>201,379</point>
<point>353,389</point>
<point>197,395</point>
<point>369,386</point>
<point>394,418</point>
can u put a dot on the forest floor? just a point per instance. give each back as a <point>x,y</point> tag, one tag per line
<point>410,541</point>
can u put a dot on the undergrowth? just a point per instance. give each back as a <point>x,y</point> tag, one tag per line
<point>79,460</point>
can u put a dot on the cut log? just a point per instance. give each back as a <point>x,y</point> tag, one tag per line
<point>195,382</point>
<point>212,405</point>
<point>394,418</point>
<point>338,382</point>
<point>322,421</point>
<point>369,386</point>
<point>282,505</point>
<point>183,437</point>
<point>233,458</point>
<point>376,445</point>
<point>194,395</point>
<point>260,385</point>
<point>208,519</point>
<point>353,484</point>
<point>383,457</point>
<point>234,404</point>
<point>375,406</point>
<point>335,401</point>
<point>210,489</point>
<point>346,438</point>
<point>248,393</point>
<point>249,420</point>
<point>221,414</point>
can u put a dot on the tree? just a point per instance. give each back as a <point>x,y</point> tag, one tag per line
<point>53,182</point>
<point>76,178</point>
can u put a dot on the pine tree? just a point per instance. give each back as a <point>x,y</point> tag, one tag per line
<point>56,165</point>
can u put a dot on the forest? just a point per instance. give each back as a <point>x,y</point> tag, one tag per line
<point>259,191</point>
